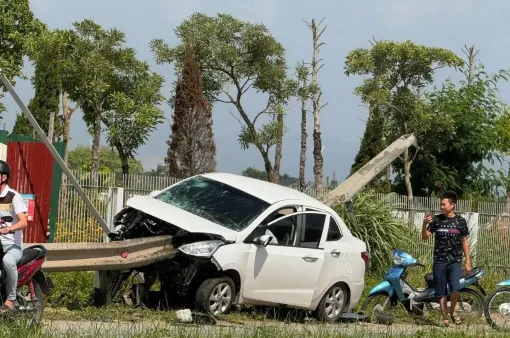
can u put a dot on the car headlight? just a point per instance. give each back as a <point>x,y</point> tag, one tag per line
<point>201,249</point>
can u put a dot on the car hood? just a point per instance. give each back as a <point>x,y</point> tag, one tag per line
<point>179,217</point>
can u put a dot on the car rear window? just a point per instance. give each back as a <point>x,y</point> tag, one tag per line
<point>215,201</point>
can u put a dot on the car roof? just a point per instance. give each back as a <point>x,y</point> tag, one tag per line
<point>266,191</point>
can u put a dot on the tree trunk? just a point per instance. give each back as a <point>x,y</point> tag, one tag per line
<point>51,126</point>
<point>124,164</point>
<point>66,112</point>
<point>95,145</point>
<point>278,152</point>
<point>302,156</point>
<point>317,144</point>
<point>317,154</point>
<point>407,175</point>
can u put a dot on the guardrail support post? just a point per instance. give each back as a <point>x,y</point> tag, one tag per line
<point>103,288</point>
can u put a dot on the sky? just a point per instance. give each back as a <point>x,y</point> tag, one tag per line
<point>350,24</point>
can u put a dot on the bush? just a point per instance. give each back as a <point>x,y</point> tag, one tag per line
<point>73,290</point>
<point>377,228</point>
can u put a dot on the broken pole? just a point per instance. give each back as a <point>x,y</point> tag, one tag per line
<point>53,152</point>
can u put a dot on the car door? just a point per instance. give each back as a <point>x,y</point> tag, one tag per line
<point>334,256</point>
<point>287,269</point>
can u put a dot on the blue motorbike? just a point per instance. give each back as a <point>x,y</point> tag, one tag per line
<point>395,292</point>
<point>497,307</point>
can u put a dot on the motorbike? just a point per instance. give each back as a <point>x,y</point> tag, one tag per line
<point>32,284</point>
<point>497,307</point>
<point>395,292</point>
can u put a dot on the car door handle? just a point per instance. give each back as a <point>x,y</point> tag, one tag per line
<point>335,253</point>
<point>310,259</point>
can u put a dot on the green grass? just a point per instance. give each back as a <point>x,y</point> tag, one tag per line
<point>70,302</point>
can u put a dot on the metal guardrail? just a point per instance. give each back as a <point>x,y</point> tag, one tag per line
<point>132,253</point>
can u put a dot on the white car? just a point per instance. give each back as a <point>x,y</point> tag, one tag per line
<point>246,241</point>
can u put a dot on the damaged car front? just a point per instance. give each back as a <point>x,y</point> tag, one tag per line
<point>201,215</point>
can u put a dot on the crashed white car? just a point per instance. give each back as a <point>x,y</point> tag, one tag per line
<point>246,241</point>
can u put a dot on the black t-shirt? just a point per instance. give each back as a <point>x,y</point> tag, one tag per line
<point>448,237</point>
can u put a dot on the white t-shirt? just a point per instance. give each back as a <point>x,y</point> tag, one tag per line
<point>11,204</point>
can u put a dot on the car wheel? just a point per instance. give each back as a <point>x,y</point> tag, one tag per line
<point>333,304</point>
<point>215,295</point>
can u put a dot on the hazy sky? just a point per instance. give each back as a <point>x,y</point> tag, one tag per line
<point>450,24</point>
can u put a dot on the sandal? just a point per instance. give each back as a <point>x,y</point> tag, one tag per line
<point>445,323</point>
<point>456,319</point>
<point>4,309</point>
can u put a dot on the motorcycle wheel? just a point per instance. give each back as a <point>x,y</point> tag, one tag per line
<point>33,316</point>
<point>380,306</point>
<point>491,314</point>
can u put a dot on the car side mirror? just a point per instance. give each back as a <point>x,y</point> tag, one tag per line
<point>264,240</point>
<point>154,193</point>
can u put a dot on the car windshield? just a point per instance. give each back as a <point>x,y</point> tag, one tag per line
<point>215,201</point>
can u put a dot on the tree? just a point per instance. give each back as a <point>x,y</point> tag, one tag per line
<point>503,146</point>
<point>42,105</point>
<point>316,93</point>
<point>303,93</point>
<point>397,73</point>
<point>285,179</point>
<point>17,23</point>
<point>192,150</point>
<point>80,159</point>
<point>159,171</point>
<point>245,56</point>
<point>372,143</point>
<point>99,57</point>
<point>133,110</point>
<point>54,54</point>
<point>474,109</point>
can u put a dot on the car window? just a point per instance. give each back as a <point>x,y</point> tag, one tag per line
<point>305,227</point>
<point>279,213</point>
<point>334,233</point>
<point>283,231</point>
<point>311,230</point>
<point>215,201</point>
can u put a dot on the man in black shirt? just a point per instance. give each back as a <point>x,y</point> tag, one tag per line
<point>451,241</point>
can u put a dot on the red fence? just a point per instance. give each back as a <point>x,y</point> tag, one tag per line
<point>32,171</point>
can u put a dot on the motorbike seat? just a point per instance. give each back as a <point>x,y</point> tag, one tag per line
<point>31,253</point>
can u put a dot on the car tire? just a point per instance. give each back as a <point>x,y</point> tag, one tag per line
<point>215,295</point>
<point>337,297</point>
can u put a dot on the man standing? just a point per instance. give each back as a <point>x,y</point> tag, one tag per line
<point>451,241</point>
<point>13,220</point>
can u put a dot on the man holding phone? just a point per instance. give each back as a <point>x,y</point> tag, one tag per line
<point>450,243</point>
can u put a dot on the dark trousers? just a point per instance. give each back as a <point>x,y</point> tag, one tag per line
<point>446,275</point>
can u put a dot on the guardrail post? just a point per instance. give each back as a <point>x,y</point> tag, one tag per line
<point>103,279</point>
<point>103,288</point>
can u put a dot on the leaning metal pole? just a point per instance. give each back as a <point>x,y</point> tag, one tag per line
<point>53,152</point>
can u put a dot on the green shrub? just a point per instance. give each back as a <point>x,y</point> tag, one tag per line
<point>73,290</point>
<point>377,228</point>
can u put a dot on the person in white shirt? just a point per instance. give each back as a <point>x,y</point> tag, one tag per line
<point>13,220</point>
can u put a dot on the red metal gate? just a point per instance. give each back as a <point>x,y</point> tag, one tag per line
<point>32,171</point>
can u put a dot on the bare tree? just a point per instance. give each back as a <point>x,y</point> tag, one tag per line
<point>316,94</point>
<point>304,96</point>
